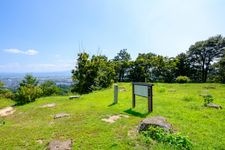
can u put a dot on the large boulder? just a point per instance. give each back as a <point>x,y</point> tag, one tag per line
<point>60,145</point>
<point>157,121</point>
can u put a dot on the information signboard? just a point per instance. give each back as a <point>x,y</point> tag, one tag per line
<point>142,89</point>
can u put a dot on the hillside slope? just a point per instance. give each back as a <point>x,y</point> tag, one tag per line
<point>33,127</point>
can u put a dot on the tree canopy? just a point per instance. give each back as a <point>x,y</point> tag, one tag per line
<point>202,62</point>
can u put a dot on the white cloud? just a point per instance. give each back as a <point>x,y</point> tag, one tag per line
<point>30,52</point>
<point>13,51</point>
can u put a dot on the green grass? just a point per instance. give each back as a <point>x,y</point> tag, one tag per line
<point>181,104</point>
<point>6,102</point>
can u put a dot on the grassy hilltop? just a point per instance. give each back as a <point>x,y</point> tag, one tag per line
<point>32,127</point>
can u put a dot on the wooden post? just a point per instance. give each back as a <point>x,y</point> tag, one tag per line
<point>133,96</point>
<point>115,93</point>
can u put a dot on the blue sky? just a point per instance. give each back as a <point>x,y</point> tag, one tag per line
<point>46,35</point>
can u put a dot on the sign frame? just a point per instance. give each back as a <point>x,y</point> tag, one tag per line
<point>144,90</point>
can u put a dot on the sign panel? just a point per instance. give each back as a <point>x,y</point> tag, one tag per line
<point>141,90</point>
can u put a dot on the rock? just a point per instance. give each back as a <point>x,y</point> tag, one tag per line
<point>211,105</point>
<point>61,115</point>
<point>157,121</point>
<point>48,105</point>
<point>6,111</point>
<point>74,96</point>
<point>60,145</point>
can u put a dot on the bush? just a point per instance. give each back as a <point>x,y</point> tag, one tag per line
<point>182,79</point>
<point>4,92</point>
<point>28,90</point>
<point>50,88</point>
<point>26,94</point>
<point>7,94</point>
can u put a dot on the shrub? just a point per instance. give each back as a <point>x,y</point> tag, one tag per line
<point>26,94</point>
<point>182,79</point>
<point>28,90</point>
<point>207,99</point>
<point>160,135</point>
<point>4,92</point>
<point>50,88</point>
<point>7,94</point>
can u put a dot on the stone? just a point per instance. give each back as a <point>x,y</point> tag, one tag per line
<point>211,105</point>
<point>74,97</point>
<point>48,105</point>
<point>157,121</point>
<point>61,115</point>
<point>7,111</point>
<point>60,145</point>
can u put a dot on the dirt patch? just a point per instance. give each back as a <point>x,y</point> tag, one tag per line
<point>114,118</point>
<point>60,145</point>
<point>48,105</point>
<point>40,141</point>
<point>133,133</point>
<point>61,115</point>
<point>7,111</point>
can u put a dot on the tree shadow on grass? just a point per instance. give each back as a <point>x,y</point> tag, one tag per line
<point>137,114</point>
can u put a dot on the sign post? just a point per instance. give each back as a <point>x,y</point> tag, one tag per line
<point>144,90</point>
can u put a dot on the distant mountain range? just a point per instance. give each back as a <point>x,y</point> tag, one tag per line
<point>12,80</point>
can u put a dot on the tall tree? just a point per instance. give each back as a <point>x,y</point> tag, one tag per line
<point>105,72</point>
<point>92,74</point>
<point>83,74</point>
<point>183,65</point>
<point>164,69</point>
<point>203,53</point>
<point>141,67</point>
<point>122,64</point>
<point>222,70</point>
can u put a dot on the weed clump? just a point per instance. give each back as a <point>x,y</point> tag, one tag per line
<point>160,135</point>
<point>2,122</point>
<point>208,98</point>
<point>187,98</point>
<point>161,90</point>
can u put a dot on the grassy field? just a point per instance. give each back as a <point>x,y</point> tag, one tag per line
<point>181,104</point>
